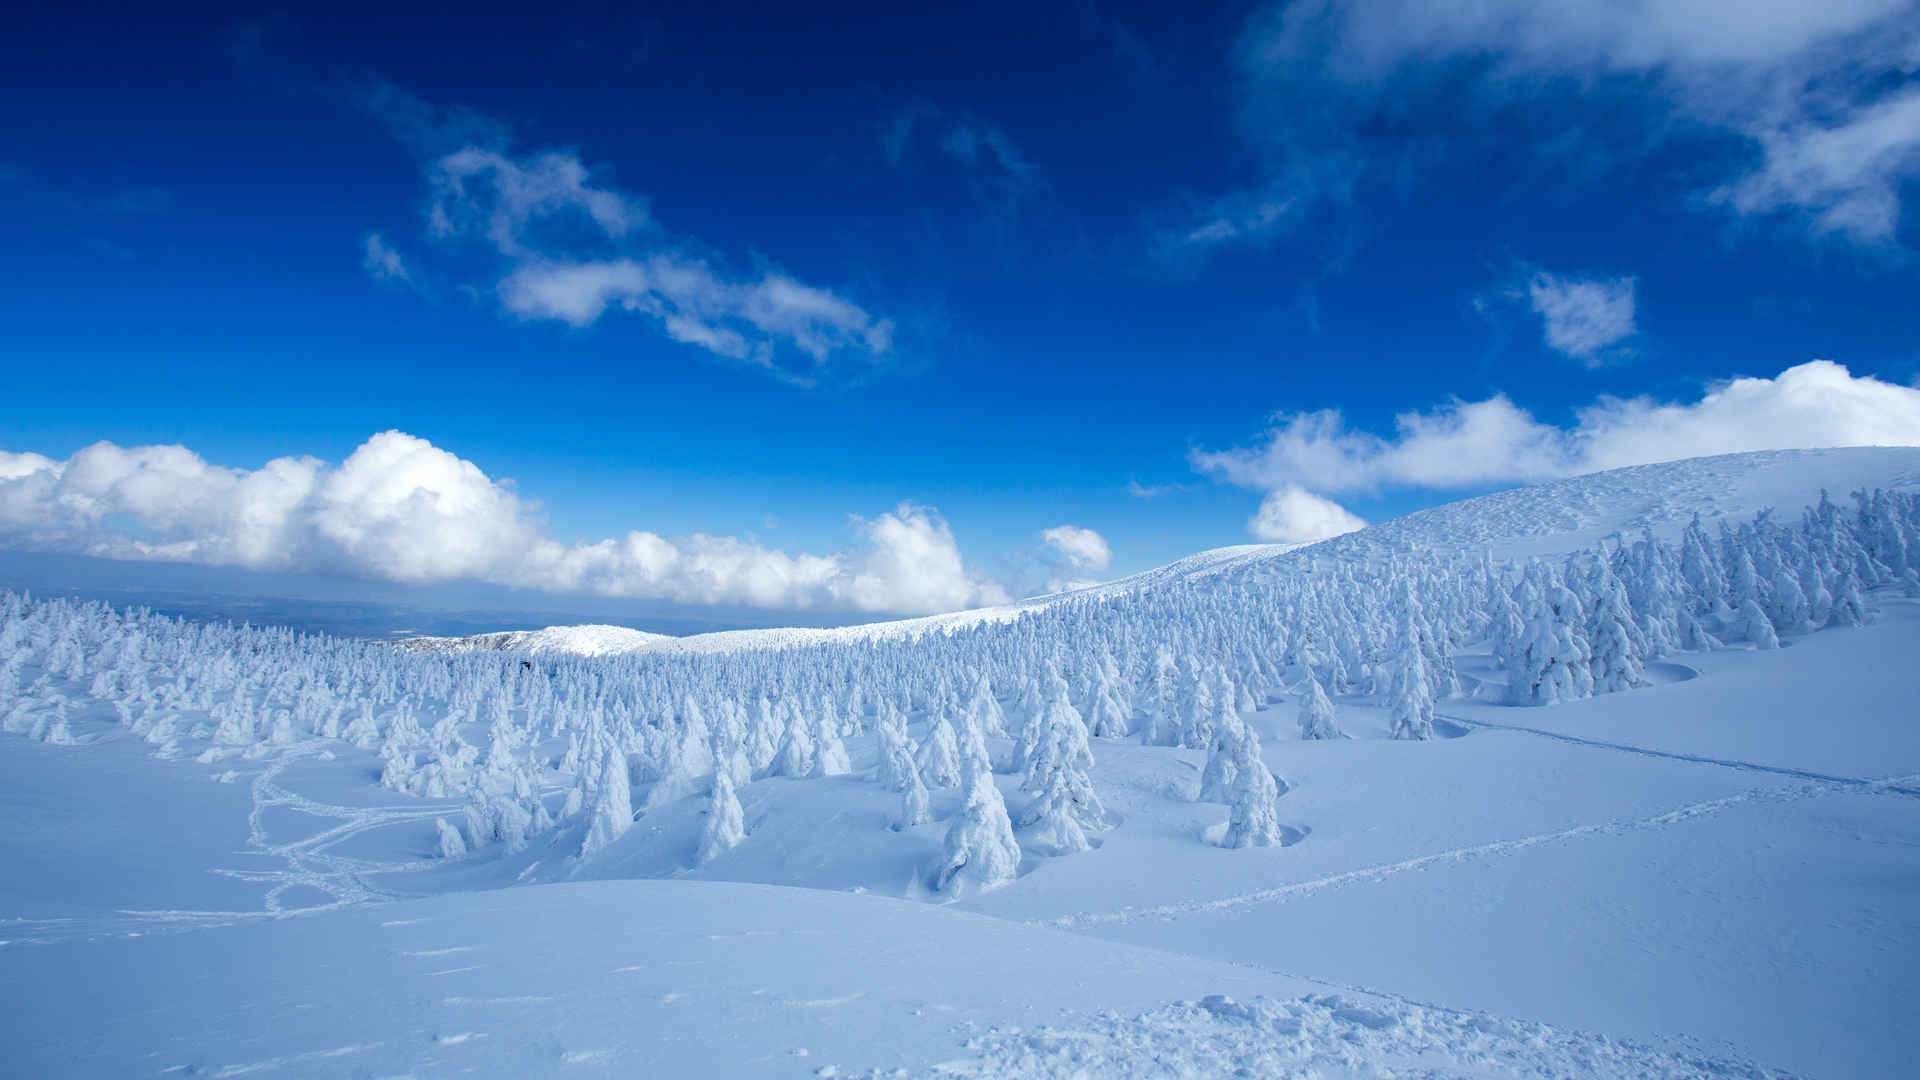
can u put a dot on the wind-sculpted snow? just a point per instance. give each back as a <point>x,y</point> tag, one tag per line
<point>1318,1035</point>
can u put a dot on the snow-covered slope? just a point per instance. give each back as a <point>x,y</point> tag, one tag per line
<point>1548,519</point>
<point>586,639</point>
<point>238,850</point>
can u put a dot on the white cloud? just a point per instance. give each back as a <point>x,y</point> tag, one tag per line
<point>1592,35</point>
<point>1822,90</point>
<point>1479,443</point>
<point>1294,515</point>
<point>1083,549</point>
<point>382,263</point>
<point>401,509</point>
<point>914,565</point>
<point>741,321</point>
<point>1583,318</point>
<point>571,248</point>
<point>1846,171</point>
<point>1069,554</point>
<point>481,190</point>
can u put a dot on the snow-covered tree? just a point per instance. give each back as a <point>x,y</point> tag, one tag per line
<point>1060,778</point>
<point>1217,778</point>
<point>980,852</point>
<point>940,754</point>
<point>726,825</point>
<point>1317,719</point>
<point>451,844</point>
<point>829,752</point>
<point>612,813</point>
<point>794,757</point>
<point>1756,627</point>
<point>1255,818</point>
<point>1554,664</point>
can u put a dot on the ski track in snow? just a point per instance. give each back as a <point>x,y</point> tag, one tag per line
<point>1697,759</point>
<point>1280,893</point>
<point>309,865</point>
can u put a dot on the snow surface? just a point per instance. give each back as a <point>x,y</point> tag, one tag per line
<point>1711,875</point>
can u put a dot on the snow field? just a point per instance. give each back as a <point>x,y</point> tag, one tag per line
<point>1704,838</point>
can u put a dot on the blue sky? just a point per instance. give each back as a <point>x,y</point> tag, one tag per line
<point>768,274</point>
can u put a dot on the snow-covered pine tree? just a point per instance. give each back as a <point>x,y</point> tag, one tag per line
<point>1254,820</point>
<point>1756,627</point>
<point>1317,719</point>
<point>980,852</point>
<point>794,757</point>
<point>984,710</point>
<point>940,754</point>
<point>1412,695</point>
<point>612,813</point>
<point>829,752</point>
<point>1217,778</point>
<point>1064,805</point>
<point>726,825</point>
<point>1619,650</point>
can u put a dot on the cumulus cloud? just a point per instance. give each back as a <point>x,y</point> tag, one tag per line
<point>1583,318</point>
<point>1069,556</point>
<point>1083,549</point>
<point>569,247</point>
<point>1481,443</point>
<point>1821,92</point>
<point>401,509</point>
<point>1294,515</point>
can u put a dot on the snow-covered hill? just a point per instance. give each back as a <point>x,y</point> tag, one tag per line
<point>1084,835</point>
<point>1551,518</point>
<point>586,639</point>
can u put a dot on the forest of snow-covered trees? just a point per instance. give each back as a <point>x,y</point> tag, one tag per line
<point>531,743</point>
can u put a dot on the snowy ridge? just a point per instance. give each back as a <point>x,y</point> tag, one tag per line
<point>1552,518</point>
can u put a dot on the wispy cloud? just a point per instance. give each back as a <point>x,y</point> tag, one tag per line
<point>1821,94</point>
<point>982,149</point>
<point>1152,491</point>
<point>382,263</point>
<point>568,246</point>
